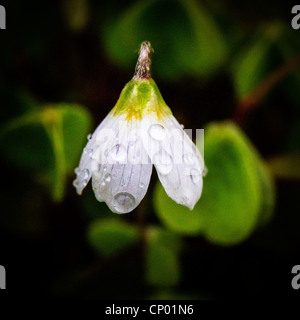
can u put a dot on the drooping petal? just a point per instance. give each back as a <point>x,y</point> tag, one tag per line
<point>176,158</point>
<point>87,161</point>
<point>123,173</point>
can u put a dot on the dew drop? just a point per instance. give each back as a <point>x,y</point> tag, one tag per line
<point>77,170</point>
<point>182,126</point>
<point>118,152</point>
<point>107,177</point>
<point>89,137</point>
<point>142,185</point>
<point>204,171</point>
<point>84,174</point>
<point>88,151</point>
<point>124,202</point>
<point>195,175</point>
<point>163,162</point>
<point>157,132</point>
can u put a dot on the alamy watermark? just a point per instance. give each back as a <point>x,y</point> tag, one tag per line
<point>2,278</point>
<point>2,17</point>
<point>296,19</point>
<point>296,279</point>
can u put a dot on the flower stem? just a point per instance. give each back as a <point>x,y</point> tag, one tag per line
<point>142,69</point>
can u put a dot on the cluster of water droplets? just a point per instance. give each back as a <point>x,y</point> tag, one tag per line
<point>119,154</point>
<point>83,174</point>
<point>122,202</point>
<point>82,178</point>
<point>164,161</point>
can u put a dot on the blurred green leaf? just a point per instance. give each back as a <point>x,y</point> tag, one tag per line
<point>176,217</point>
<point>48,142</point>
<point>111,236</point>
<point>240,194</point>
<point>162,257</point>
<point>268,191</point>
<point>285,166</point>
<point>252,64</point>
<point>234,190</point>
<point>249,67</point>
<point>187,40</point>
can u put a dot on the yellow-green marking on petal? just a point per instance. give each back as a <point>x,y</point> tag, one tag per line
<point>139,98</point>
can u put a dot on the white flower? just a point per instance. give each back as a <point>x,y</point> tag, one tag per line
<point>139,132</point>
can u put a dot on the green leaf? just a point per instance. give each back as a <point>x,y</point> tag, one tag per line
<point>187,40</point>
<point>268,192</point>
<point>48,142</point>
<point>176,217</point>
<point>162,257</point>
<point>238,191</point>
<point>251,65</point>
<point>111,236</point>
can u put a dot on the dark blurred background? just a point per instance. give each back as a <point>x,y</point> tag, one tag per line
<point>231,68</point>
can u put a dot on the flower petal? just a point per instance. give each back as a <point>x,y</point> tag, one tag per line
<point>87,161</point>
<point>176,158</point>
<point>124,169</point>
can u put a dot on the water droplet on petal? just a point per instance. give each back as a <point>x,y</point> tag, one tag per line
<point>182,126</point>
<point>163,162</point>
<point>89,137</point>
<point>107,177</point>
<point>204,171</point>
<point>88,151</point>
<point>118,152</point>
<point>142,185</point>
<point>124,202</point>
<point>157,132</point>
<point>189,158</point>
<point>104,168</point>
<point>77,170</point>
<point>84,174</point>
<point>195,175</point>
